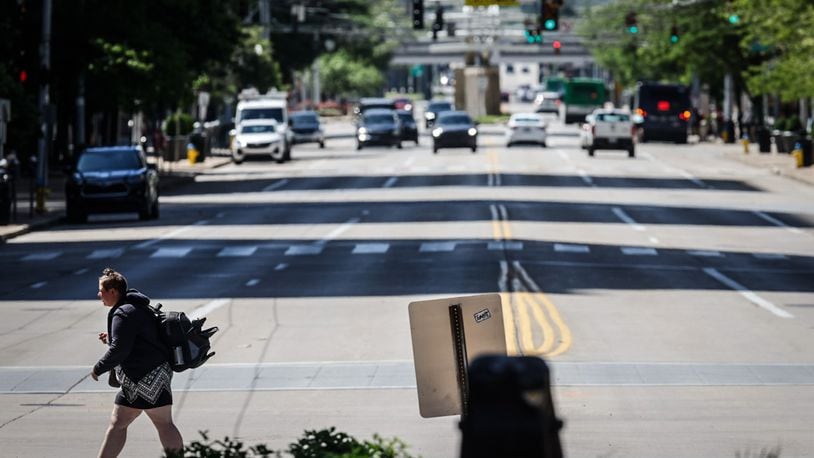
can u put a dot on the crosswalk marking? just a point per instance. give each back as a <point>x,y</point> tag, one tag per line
<point>237,251</point>
<point>176,252</point>
<point>370,248</point>
<point>635,251</point>
<point>300,250</point>
<point>105,254</point>
<point>769,256</point>
<point>706,253</point>
<point>565,248</point>
<point>433,247</point>
<point>42,256</point>
<point>510,246</point>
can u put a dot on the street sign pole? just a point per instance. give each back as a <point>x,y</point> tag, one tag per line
<point>42,144</point>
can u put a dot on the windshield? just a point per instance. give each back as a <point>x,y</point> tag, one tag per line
<point>406,118</point>
<point>262,113</point>
<point>304,119</point>
<point>456,119</point>
<point>259,129</point>
<point>379,119</point>
<point>443,106</point>
<point>108,160</point>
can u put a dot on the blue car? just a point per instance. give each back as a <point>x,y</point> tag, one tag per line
<point>112,179</point>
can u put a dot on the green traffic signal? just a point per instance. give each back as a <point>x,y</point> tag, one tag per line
<point>734,18</point>
<point>633,29</point>
<point>673,38</point>
<point>550,24</point>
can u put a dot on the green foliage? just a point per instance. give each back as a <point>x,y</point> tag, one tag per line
<point>178,124</point>
<point>325,443</point>
<point>347,76</point>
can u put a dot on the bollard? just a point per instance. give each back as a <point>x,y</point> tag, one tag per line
<point>745,141</point>
<point>798,155</point>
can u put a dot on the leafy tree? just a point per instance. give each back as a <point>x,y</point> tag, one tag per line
<point>347,75</point>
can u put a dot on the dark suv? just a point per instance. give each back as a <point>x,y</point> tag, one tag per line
<point>111,179</point>
<point>378,127</point>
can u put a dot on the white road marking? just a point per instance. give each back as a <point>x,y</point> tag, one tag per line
<point>275,185</point>
<point>370,248</point>
<point>408,162</point>
<point>208,308</point>
<point>42,256</point>
<point>566,248</point>
<point>149,243</point>
<point>39,284</point>
<point>639,251</point>
<point>237,251</point>
<point>434,247</point>
<point>563,155</point>
<point>390,182</point>
<point>171,252</point>
<point>769,256</point>
<point>338,231</point>
<point>627,219</point>
<point>253,282</point>
<point>777,222</point>
<point>705,253</point>
<point>303,250</point>
<point>654,240</point>
<point>690,177</point>
<point>745,292</point>
<point>281,266</point>
<point>104,254</point>
<point>509,246</point>
<point>587,179</point>
<point>80,271</point>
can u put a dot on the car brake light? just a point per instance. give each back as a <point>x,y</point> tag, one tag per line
<point>663,105</point>
<point>685,115</point>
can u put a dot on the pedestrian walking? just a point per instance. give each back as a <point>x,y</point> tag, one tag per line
<point>138,363</point>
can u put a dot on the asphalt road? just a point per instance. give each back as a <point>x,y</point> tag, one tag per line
<point>671,293</point>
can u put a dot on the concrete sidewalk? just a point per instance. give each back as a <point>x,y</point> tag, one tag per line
<point>777,163</point>
<point>27,217</point>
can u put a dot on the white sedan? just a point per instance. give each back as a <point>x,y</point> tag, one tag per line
<point>526,128</point>
<point>258,137</point>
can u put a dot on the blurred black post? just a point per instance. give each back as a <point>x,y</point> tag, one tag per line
<point>510,411</point>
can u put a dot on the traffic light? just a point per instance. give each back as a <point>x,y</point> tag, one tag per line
<point>630,23</point>
<point>533,36</point>
<point>674,34</point>
<point>734,18</point>
<point>550,15</point>
<point>23,76</point>
<point>556,45</point>
<point>439,18</point>
<point>418,14</point>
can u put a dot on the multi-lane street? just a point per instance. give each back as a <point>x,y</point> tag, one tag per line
<point>672,293</point>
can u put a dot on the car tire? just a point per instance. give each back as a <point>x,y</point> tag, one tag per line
<point>590,151</point>
<point>474,149</point>
<point>75,215</point>
<point>358,146</point>
<point>631,152</point>
<point>154,212</point>
<point>543,144</point>
<point>434,149</point>
<point>321,145</point>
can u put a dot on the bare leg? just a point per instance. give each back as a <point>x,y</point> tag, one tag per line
<point>116,433</point>
<point>167,432</point>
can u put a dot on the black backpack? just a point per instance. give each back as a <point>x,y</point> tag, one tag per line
<point>187,342</point>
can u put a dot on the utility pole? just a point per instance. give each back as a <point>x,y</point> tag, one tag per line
<point>44,102</point>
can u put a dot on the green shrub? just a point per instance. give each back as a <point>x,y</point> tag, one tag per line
<point>325,443</point>
<point>178,124</point>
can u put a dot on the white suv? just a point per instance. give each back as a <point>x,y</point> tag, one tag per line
<point>258,137</point>
<point>608,129</point>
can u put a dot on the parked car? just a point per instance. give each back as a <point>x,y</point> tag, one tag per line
<point>608,129</point>
<point>526,128</point>
<point>409,129</point>
<point>378,127</point>
<point>547,102</point>
<point>454,129</point>
<point>258,137</point>
<point>307,128</point>
<point>111,179</point>
<point>433,109</point>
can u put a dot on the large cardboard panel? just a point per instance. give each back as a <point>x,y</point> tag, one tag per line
<point>433,347</point>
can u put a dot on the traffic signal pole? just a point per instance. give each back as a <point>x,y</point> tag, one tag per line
<point>42,144</point>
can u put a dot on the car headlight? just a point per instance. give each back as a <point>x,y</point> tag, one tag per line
<point>472,131</point>
<point>396,132</point>
<point>362,131</point>
<point>437,132</point>
<point>430,115</point>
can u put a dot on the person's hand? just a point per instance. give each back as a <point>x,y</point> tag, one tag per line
<point>93,375</point>
<point>103,337</point>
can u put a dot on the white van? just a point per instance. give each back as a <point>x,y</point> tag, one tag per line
<point>272,105</point>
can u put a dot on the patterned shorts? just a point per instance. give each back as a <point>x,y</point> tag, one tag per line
<point>151,391</point>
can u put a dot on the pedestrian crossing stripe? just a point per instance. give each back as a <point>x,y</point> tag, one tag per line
<point>434,247</point>
<point>635,251</point>
<point>175,252</point>
<point>371,248</point>
<point>237,251</point>
<point>42,256</point>
<point>300,250</point>
<point>566,248</point>
<point>106,254</point>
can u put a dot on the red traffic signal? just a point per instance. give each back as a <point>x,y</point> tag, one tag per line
<point>556,45</point>
<point>23,76</point>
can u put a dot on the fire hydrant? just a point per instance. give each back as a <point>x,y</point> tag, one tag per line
<point>745,142</point>
<point>797,152</point>
<point>192,153</point>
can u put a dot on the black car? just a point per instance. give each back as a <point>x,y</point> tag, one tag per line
<point>378,127</point>
<point>433,109</point>
<point>373,103</point>
<point>111,179</point>
<point>5,192</point>
<point>409,129</point>
<point>306,128</point>
<point>454,129</point>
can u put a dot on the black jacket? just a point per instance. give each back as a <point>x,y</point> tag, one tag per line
<point>132,334</point>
